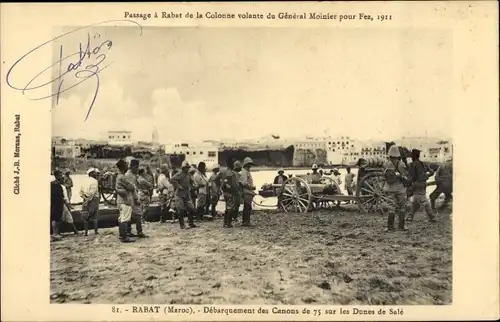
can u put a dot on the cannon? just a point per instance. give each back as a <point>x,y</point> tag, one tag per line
<point>301,194</point>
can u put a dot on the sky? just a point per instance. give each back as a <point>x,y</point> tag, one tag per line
<point>196,84</point>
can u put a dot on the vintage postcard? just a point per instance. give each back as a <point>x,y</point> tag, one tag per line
<point>250,161</point>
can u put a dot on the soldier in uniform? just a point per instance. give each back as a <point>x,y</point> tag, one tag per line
<point>131,176</point>
<point>396,177</point>
<point>315,176</point>
<point>89,192</point>
<point>145,189</point>
<point>182,182</point>
<point>165,193</point>
<point>420,172</point>
<point>444,184</point>
<point>150,177</point>
<point>201,181</point>
<point>194,188</point>
<point>280,179</point>
<point>246,181</point>
<point>238,196</point>
<point>215,185</point>
<point>125,197</point>
<point>230,189</point>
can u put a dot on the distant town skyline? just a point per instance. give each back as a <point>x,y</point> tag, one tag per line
<point>267,138</point>
<point>195,84</point>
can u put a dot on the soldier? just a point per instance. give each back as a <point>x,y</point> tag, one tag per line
<point>125,197</point>
<point>246,182</point>
<point>68,183</point>
<point>89,192</point>
<point>444,184</point>
<point>396,176</point>
<point>131,176</point>
<point>238,195</point>
<point>215,185</point>
<point>194,188</point>
<point>144,190</point>
<point>315,176</point>
<point>182,183</point>
<point>150,177</point>
<point>201,181</point>
<point>165,192</point>
<point>420,172</point>
<point>280,179</point>
<point>338,180</point>
<point>56,204</point>
<point>349,181</point>
<point>230,188</point>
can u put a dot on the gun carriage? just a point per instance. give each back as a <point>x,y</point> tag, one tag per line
<point>302,193</point>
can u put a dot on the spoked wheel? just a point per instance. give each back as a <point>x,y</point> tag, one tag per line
<point>109,198</point>
<point>296,195</point>
<point>332,188</point>
<point>370,193</point>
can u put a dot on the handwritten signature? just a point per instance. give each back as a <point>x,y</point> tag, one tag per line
<point>87,65</point>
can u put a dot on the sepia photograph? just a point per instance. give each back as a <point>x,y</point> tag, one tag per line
<point>252,165</point>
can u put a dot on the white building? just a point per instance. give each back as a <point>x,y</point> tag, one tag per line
<point>195,152</point>
<point>120,138</point>
<point>339,150</point>
<point>66,149</point>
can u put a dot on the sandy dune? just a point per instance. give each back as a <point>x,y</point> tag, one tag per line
<point>322,258</point>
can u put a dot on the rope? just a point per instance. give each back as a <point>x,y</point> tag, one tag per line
<point>261,205</point>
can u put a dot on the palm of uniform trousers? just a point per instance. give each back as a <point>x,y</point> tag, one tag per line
<point>183,205</point>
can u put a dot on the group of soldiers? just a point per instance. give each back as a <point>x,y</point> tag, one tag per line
<point>402,181</point>
<point>183,192</point>
<point>188,191</point>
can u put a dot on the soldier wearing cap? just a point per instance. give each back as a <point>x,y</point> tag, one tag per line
<point>238,196</point>
<point>246,182</point>
<point>131,176</point>
<point>145,189</point>
<point>215,185</point>
<point>420,172</point>
<point>89,192</point>
<point>338,180</point>
<point>230,188</point>
<point>125,198</point>
<point>349,182</point>
<point>396,178</point>
<point>280,179</point>
<point>315,176</point>
<point>182,182</point>
<point>194,189</point>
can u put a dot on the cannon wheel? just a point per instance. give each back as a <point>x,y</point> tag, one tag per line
<point>322,203</point>
<point>370,193</point>
<point>109,198</point>
<point>295,195</point>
